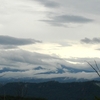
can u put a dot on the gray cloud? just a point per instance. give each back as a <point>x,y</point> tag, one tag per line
<point>17,57</point>
<point>10,70</point>
<point>7,40</point>
<point>49,3</point>
<point>23,64</point>
<point>66,19</point>
<point>28,60</point>
<point>8,47</point>
<point>92,6</point>
<point>91,41</point>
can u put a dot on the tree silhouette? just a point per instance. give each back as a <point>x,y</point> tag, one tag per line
<point>96,68</point>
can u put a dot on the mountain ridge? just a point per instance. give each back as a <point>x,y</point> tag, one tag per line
<point>53,90</point>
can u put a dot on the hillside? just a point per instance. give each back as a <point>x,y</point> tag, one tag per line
<point>53,90</point>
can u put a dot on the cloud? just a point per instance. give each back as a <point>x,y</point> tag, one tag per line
<point>20,63</point>
<point>8,47</point>
<point>31,74</point>
<point>92,6</point>
<point>21,58</point>
<point>10,70</point>
<point>80,75</point>
<point>49,3</point>
<point>17,60</point>
<point>8,40</point>
<point>66,19</point>
<point>91,41</point>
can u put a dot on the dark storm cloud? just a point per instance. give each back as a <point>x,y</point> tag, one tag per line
<point>65,19</point>
<point>48,3</point>
<point>91,41</point>
<point>7,40</point>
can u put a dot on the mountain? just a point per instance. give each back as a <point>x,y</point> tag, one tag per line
<point>54,90</point>
<point>38,68</point>
<point>42,71</point>
<point>74,70</point>
<point>38,80</point>
<point>63,69</point>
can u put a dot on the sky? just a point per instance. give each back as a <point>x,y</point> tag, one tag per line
<point>49,33</point>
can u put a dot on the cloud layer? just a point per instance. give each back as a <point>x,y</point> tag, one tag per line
<point>21,64</point>
<point>61,20</point>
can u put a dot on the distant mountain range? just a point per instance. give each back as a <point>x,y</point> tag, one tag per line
<point>43,71</point>
<point>53,90</point>
<point>35,80</point>
<point>63,69</point>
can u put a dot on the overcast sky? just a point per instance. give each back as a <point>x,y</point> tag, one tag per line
<point>49,33</point>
